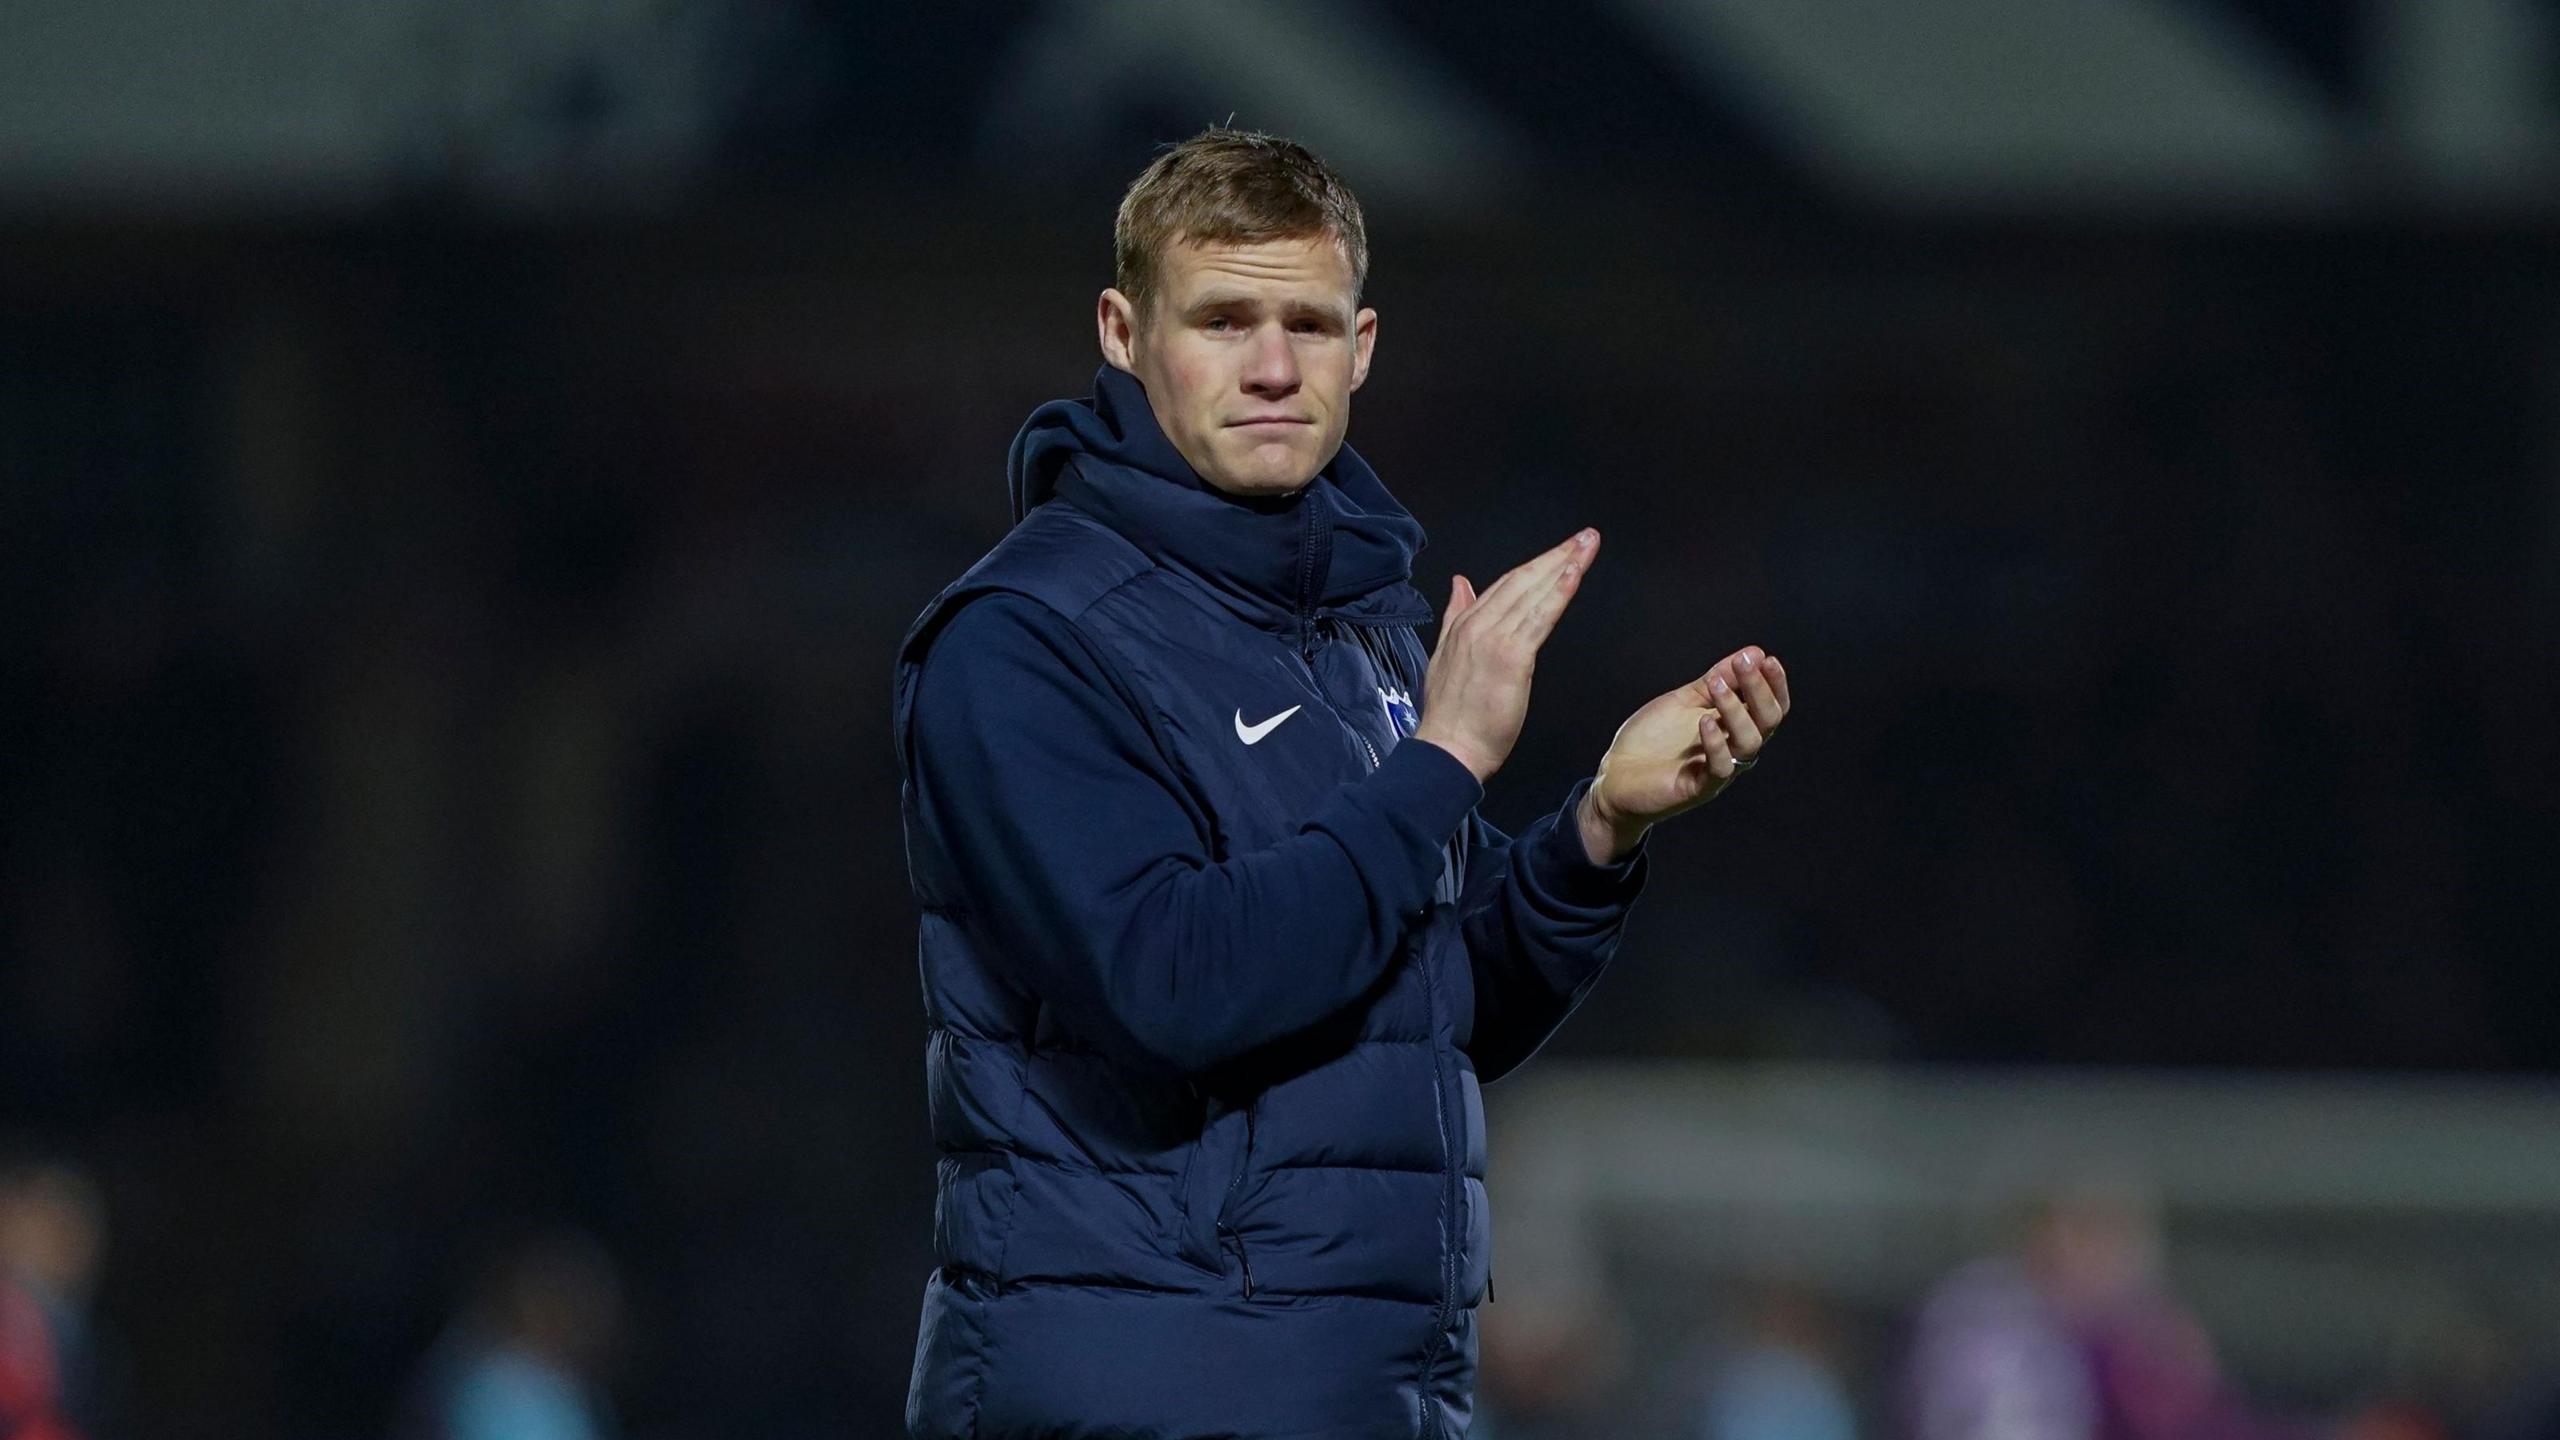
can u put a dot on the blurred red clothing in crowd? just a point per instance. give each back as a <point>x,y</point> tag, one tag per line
<point>30,1371</point>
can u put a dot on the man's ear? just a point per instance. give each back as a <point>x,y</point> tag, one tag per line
<point>1115,316</point>
<point>1364,339</point>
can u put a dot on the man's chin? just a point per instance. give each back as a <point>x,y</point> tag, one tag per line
<point>1264,480</point>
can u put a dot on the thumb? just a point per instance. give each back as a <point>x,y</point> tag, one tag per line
<point>1462,597</point>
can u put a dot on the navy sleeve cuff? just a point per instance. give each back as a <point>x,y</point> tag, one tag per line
<point>1428,786</point>
<point>1564,867</point>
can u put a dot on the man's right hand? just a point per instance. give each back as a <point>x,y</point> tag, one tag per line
<point>1476,695</point>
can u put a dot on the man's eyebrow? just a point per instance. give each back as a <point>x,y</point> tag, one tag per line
<point>1229,299</point>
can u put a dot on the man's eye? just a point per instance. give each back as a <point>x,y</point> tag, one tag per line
<point>1220,322</point>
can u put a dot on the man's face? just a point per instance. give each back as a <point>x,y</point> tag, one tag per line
<point>1249,354</point>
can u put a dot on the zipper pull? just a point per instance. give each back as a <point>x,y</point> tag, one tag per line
<point>1244,1262</point>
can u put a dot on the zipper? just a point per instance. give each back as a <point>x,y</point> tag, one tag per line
<point>1315,682</point>
<point>1228,1235</point>
<point>1307,587</point>
<point>1449,1221</point>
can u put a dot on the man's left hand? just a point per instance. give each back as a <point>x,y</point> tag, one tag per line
<point>1682,748</point>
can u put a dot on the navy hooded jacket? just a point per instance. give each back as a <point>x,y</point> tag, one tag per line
<point>1213,964</point>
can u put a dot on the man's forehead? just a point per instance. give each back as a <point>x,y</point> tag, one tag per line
<point>1308,267</point>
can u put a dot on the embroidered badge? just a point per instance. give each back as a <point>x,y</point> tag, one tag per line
<point>1401,716</point>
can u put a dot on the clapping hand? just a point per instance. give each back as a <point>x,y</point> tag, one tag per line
<point>1476,694</point>
<point>1682,747</point>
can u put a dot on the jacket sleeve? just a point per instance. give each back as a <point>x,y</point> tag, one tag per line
<point>1540,922</point>
<point>1076,847</point>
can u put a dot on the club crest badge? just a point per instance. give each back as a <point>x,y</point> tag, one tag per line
<point>1401,716</point>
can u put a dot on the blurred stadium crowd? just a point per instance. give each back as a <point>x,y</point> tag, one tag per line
<point>457,968</point>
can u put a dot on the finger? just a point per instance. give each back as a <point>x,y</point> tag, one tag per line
<point>1526,581</point>
<point>1539,613</point>
<point>1719,752</point>
<point>1462,598</point>
<point>1778,682</point>
<point>1739,727</point>
<point>1724,669</point>
<point>1756,693</point>
<point>1532,576</point>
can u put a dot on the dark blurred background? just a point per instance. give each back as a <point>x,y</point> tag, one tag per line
<point>464,469</point>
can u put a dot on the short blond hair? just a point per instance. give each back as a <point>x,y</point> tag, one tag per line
<point>1232,187</point>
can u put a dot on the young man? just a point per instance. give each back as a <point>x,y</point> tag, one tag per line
<point>1215,950</point>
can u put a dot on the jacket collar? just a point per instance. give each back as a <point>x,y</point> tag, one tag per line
<point>1338,546</point>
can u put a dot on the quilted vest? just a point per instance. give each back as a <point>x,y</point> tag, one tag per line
<point>1086,1211</point>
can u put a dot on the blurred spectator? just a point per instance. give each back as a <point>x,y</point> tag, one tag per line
<point>526,1361</point>
<point>1553,1367</point>
<point>52,1231</point>
<point>2070,1336</point>
<point>1781,1381</point>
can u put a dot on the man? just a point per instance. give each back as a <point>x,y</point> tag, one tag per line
<point>527,1358</point>
<point>2072,1334</point>
<point>52,1233</point>
<point>1215,950</point>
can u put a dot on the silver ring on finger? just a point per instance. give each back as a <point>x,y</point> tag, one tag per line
<point>1744,762</point>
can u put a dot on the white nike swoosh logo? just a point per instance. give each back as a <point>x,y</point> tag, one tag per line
<point>1252,734</point>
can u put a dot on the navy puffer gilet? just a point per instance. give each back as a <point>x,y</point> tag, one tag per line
<point>1144,1226</point>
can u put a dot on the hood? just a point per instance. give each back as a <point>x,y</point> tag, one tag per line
<point>1340,545</point>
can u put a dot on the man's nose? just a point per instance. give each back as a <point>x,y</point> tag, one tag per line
<point>1271,371</point>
